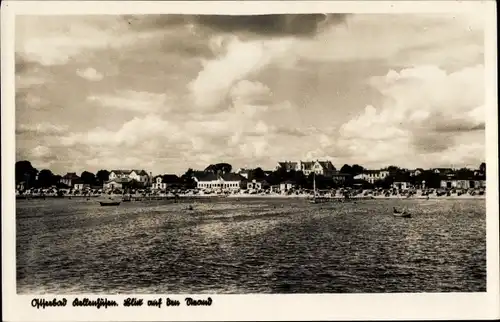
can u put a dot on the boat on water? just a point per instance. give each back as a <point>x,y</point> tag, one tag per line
<point>403,213</point>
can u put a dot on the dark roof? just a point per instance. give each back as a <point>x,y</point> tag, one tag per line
<point>70,175</point>
<point>326,165</point>
<point>206,176</point>
<point>375,171</point>
<point>288,165</point>
<point>232,177</point>
<point>337,173</point>
<point>139,172</point>
<point>170,178</point>
<point>121,180</point>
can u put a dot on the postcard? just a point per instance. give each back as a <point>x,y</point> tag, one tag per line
<point>249,160</point>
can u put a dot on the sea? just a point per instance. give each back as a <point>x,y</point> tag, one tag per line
<point>248,246</point>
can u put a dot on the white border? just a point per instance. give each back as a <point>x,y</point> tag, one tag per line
<point>255,307</point>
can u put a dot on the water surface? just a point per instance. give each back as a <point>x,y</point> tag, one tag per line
<point>250,246</point>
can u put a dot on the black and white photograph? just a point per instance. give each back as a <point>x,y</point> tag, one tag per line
<point>276,153</point>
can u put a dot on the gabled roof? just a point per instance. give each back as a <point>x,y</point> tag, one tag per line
<point>170,178</point>
<point>327,165</point>
<point>71,175</point>
<point>232,177</point>
<point>139,172</point>
<point>121,180</point>
<point>289,165</point>
<point>206,177</point>
<point>338,173</point>
<point>374,171</point>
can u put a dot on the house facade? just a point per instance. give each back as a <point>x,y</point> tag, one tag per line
<point>70,179</point>
<point>324,168</point>
<point>121,183</point>
<point>81,186</point>
<point>257,185</point>
<point>243,172</point>
<point>372,175</point>
<point>463,183</point>
<point>158,183</point>
<point>162,182</point>
<point>140,176</point>
<point>287,185</point>
<point>226,181</point>
<point>339,177</point>
<point>401,185</point>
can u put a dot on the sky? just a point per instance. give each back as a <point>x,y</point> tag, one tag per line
<point>169,92</point>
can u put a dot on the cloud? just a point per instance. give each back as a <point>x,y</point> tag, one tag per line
<point>412,39</point>
<point>56,40</point>
<point>271,25</point>
<point>27,81</point>
<point>90,74</point>
<point>425,111</point>
<point>41,129</point>
<point>143,102</point>
<point>240,61</point>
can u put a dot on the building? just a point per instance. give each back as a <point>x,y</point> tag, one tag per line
<point>226,181</point>
<point>416,172</point>
<point>372,175</point>
<point>158,183</point>
<point>140,176</point>
<point>287,185</point>
<point>463,182</point>
<point>79,185</point>
<point>69,179</point>
<point>339,177</point>
<point>443,171</point>
<point>257,185</point>
<point>122,183</point>
<point>243,172</point>
<point>324,168</point>
<point>401,185</point>
<point>162,182</point>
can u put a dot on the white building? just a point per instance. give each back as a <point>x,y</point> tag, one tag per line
<point>140,176</point>
<point>372,175</point>
<point>158,183</point>
<point>227,181</point>
<point>324,168</point>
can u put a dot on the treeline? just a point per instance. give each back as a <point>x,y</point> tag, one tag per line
<point>33,178</point>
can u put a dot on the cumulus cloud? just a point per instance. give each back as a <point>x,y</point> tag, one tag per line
<point>270,25</point>
<point>89,74</point>
<point>41,129</point>
<point>56,40</point>
<point>241,60</point>
<point>425,110</point>
<point>144,102</point>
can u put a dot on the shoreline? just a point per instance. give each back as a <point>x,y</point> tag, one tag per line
<point>258,196</point>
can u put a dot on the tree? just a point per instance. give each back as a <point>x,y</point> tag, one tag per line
<point>88,178</point>
<point>357,169</point>
<point>24,171</point>
<point>45,178</point>
<point>187,179</point>
<point>257,174</point>
<point>482,168</point>
<point>102,176</point>
<point>346,169</point>
<point>300,179</point>
<point>219,167</point>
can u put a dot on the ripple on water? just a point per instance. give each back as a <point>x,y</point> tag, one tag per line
<point>250,246</point>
